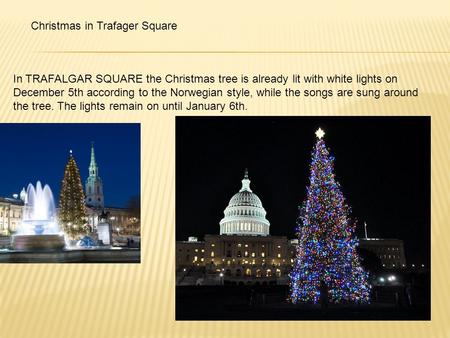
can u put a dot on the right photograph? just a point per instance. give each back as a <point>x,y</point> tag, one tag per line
<point>303,218</point>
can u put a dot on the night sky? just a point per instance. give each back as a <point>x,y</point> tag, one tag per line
<point>32,152</point>
<point>382,164</point>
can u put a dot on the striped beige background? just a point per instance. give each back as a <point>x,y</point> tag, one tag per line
<point>404,38</point>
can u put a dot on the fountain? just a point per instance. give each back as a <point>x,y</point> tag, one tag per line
<point>39,229</point>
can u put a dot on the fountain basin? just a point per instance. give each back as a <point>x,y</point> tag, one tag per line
<point>38,242</point>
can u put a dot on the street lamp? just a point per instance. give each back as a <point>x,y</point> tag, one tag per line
<point>392,278</point>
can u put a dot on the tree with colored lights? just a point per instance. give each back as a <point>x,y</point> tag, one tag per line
<point>326,251</point>
<point>72,210</point>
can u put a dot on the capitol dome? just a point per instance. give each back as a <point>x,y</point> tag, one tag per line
<point>245,214</point>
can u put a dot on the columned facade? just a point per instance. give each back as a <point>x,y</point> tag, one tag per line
<point>245,214</point>
<point>10,215</point>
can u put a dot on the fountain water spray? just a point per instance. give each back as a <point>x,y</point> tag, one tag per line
<point>39,215</point>
<point>39,228</point>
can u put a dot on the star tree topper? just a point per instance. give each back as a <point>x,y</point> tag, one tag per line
<point>320,133</point>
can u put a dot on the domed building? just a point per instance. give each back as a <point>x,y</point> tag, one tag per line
<point>243,252</point>
<point>245,214</point>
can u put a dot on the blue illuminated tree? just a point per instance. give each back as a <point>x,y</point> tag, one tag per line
<point>326,250</point>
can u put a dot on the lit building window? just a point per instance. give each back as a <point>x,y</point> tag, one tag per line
<point>279,255</point>
<point>263,254</point>
<point>213,245</point>
<point>212,253</point>
<point>253,254</point>
<point>195,258</point>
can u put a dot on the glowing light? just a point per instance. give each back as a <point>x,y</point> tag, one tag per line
<point>320,133</point>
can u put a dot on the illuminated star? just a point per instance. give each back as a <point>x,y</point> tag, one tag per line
<point>320,133</point>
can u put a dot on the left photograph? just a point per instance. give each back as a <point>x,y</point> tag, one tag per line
<point>70,193</point>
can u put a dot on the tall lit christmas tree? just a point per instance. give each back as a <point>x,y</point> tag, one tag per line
<point>326,251</point>
<point>72,210</point>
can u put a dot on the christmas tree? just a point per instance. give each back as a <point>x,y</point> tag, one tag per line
<point>72,211</point>
<point>326,251</point>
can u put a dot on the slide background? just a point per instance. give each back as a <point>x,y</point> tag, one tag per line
<point>408,38</point>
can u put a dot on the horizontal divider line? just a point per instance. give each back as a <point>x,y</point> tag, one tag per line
<point>236,52</point>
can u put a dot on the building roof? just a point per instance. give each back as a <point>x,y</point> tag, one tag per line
<point>245,206</point>
<point>9,200</point>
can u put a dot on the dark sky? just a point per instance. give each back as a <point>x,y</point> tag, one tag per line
<point>32,152</point>
<point>382,164</point>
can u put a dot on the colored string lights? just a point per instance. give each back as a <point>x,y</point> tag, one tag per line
<point>326,251</point>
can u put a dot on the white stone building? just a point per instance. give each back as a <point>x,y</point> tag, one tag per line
<point>243,253</point>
